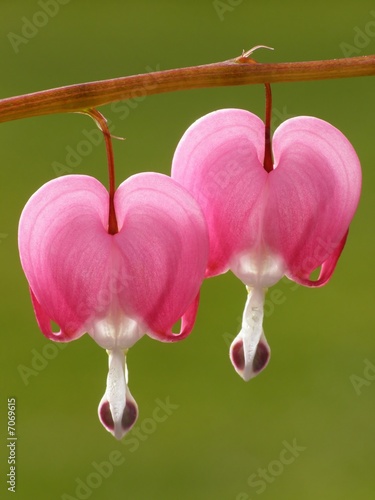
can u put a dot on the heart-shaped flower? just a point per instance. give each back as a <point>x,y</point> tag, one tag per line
<point>267,224</point>
<point>116,287</point>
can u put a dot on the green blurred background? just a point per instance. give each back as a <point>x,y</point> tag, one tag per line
<point>222,432</point>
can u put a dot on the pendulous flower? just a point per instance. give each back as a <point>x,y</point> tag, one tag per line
<point>116,287</point>
<point>264,223</point>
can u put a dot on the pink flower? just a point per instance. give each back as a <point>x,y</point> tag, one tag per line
<point>264,225</point>
<point>116,287</point>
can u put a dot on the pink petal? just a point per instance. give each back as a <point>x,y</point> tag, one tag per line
<point>219,160</point>
<point>62,232</point>
<point>163,239</point>
<point>326,269</point>
<point>313,194</point>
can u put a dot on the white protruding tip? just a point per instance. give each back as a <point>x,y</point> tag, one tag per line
<point>117,410</point>
<point>250,352</point>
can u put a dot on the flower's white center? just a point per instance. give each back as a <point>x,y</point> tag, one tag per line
<point>116,330</point>
<point>258,269</point>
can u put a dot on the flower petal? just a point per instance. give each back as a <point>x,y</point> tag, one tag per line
<point>219,160</point>
<point>117,410</point>
<point>250,351</point>
<point>164,243</point>
<point>313,194</point>
<point>326,269</point>
<point>65,252</point>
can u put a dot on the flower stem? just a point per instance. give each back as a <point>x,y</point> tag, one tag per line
<point>101,121</point>
<point>238,71</point>
<point>268,159</point>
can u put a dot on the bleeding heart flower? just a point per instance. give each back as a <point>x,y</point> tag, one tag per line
<point>267,224</point>
<point>116,287</point>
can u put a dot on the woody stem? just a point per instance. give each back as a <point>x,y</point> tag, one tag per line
<point>239,71</point>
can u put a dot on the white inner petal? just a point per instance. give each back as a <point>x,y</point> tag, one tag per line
<point>244,348</point>
<point>116,330</point>
<point>118,410</point>
<point>116,388</point>
<point>260,269</point>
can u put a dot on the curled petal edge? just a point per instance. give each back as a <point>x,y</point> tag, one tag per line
<point>326,269</point>
<point>44,322</point>
<point>187,324</point>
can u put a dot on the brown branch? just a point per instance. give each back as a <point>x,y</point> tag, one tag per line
<point>239,71</point>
